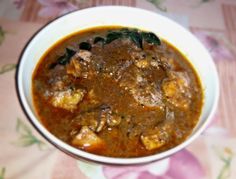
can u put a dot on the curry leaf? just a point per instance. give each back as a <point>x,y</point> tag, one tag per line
<point>98,39</point>
<point>136,38</point>
<point>113,36</point>
<point>151,38</point>
<point>85,46</point>
<point>134,35</point>
<point>64,59</point>
<point>125,30</point>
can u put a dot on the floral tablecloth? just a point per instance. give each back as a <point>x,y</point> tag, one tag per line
<point>24,154</point>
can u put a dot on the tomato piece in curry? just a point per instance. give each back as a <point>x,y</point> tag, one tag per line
<point>117,92</point>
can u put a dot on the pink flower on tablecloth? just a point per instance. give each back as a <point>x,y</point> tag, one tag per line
<point>53,8</point>
<point>215,130</point>
<point>216,46</point>
<point>182,165</point>
<point>19,3</point>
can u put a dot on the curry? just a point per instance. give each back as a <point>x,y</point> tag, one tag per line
<point>117,92</point>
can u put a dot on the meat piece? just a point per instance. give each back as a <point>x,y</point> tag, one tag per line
<point>169,63</point>
<point>122,67</point>
<point>74,68</point>
<point>58,85</point>
<point>87,119</point>
<point>176,89</point>
<point>144,93</point>
<point>114,120</point>
<point>59,82</point>
<point>128,81</point>
<point>142,63</point>
<point>145,59</point>
<point>97,119</point>
<point>160,135</point>
<point>154,63</point>
<point>92,97</point>
<point>102,121</point>
<point>137,55</point>
<point>87,139</point>
<point>154,141</point>
<point>67,99</point>
<point>85,55</point>
<point>170,115</point>
<point>78,66</point>
<point>108,118</point>
<point>147,96</point>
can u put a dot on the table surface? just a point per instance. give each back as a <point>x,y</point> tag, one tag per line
<point>26,155</point>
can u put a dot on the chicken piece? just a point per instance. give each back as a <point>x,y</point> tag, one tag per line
<point>108,118</point>
<point>176,89</point>
<point>114,120</point>
<point>87,139</point>
<point>78,66</point>
<point>67,99</point>
<point>170,115</point>
<point>169,63</point>
<point>121,69</point>
<point>97,119</point>
<point>92,97</point>
<point>85,55</point>
<point>102,121</point>
<point>58,85</point>
<point>155,63</point>
<point>154,141</point>
<point>128,81</point>
<point>74,68</point>
<point>144,63</point>
<point>144,93</point>
<point>147,96</point>
<point>87,119</point>
<point>137,55</point>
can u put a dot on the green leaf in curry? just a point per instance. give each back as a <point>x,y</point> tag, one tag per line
<point>111,36</point>
<point>136,38</point>
<point>98,39</point>
<point>2,172</point>
<point>6,68</point>
<point>151,38</point>
<point>85,46</point>
<point>64,59</point>
<point>134,35</point>
<point>26,137</point>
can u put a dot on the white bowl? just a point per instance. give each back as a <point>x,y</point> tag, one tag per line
<point>124,16</point>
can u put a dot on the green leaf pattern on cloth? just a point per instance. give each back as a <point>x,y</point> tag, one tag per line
<point>158,4</point>
<point>2,172</point>
<point>226,156</point>
<point>6,68</point>
<point>26,137</point>
<point>2,35</point>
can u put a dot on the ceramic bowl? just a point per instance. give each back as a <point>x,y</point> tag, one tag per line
<point>165,28</point>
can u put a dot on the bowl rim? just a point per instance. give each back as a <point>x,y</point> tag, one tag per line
<point>93,157</point>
